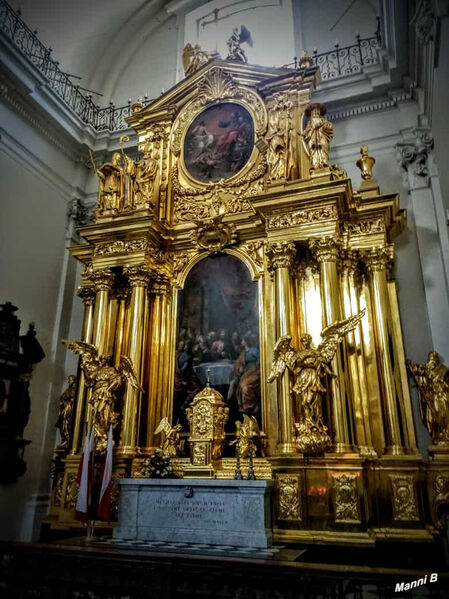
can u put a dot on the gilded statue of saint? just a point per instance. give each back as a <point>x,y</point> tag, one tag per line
<point>172,444</point>
<point>65,413</point>
<point>105,381</point>
<point>317,135</point>
<point>193,58</point>
<point>142,175</point>
<point>432,379</point>
<point>112,184</point>
<point>279,147</point>
<point>308,367</point>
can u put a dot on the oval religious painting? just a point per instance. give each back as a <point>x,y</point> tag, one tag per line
<point>219,142</point>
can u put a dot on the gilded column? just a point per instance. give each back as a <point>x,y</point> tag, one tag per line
<point>139,278</point>
<point>282,255</point>
<point>159,364</point>
<point>122,295</point>
<point>376,261</point>
<point>355,359</point>
<point>102,284</point>
<point>103,281</point>
<point>87,295</point>
<point>326,251</point>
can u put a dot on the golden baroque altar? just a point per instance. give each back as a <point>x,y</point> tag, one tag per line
<point>235,162</point>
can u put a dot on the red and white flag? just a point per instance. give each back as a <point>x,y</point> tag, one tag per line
<point>104,505</point>
<point>84,478</point>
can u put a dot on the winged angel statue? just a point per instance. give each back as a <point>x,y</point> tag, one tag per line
<point>309,366</point>
<point>172,445</point>
<point>105,381</point>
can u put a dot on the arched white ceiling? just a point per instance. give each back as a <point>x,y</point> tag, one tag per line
<point>126,48</point>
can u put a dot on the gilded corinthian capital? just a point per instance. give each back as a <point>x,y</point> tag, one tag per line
<point>326,249</point>
<point>102,280</point>
<point>160,285</point>
<point>376,259</point>
<point>87,295</point>
<point>348,261</point>
<point>138,276</point>
<point>281,254</point>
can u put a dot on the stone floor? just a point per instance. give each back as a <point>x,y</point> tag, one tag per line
<point>78,568</point>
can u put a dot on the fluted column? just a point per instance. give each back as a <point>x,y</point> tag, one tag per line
<point>87,295</point>
<point>158,370</point>
<point>138,277</point>
<point>326,251</point>
<point>376,261</point>
<point>122,296</point>
<point>282,255</point>
<point>356,366</point>
<point>102,284</point>
<point>103,281</point>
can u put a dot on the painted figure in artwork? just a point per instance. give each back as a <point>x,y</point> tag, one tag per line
<point>219,142</point>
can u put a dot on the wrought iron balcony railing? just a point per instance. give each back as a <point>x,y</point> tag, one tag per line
<point>335,63</point>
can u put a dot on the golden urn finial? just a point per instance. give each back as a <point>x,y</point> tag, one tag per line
<point>365,164</point>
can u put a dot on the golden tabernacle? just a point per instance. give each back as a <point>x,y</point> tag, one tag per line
<point>233,274</point>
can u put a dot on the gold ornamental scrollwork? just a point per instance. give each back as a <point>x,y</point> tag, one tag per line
<point>289,497</point>
<point>213,235</point>
<point>441,497</point>
<point>364,227</point>
<point>121,247</point>
<point>326,249</point>
<point>404,497</point>
<point>202,421</point>
<point>255,250</point>
<point>300,217</point>
<point>346,501</point>
<point>71,492</point>
<point>57,501</point>
<point>194,204</point>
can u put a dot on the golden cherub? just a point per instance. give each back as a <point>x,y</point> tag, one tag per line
<point>105,381</point>
<point>308,367</point>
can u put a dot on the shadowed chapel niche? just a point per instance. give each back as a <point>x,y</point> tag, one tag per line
<point>218,334</point>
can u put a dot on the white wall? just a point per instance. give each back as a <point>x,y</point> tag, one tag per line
<point>36,182</point>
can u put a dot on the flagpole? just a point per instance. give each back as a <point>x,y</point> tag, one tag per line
<point>90,520</point>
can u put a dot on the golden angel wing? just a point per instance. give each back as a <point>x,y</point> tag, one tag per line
<point>164,427</point>
<point>127,371</point>
<point>341,327</point>
<point>334,333</point>
<point>82,348</point>
<point>251,424</point>
<point>281,352</point>
<point>88,354</point>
